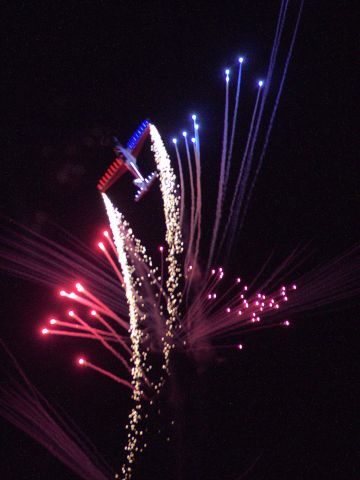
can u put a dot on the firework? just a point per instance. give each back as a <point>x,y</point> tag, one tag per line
<point>24,406</point>
<point>135,309</point>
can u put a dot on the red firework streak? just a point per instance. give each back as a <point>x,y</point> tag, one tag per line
<point>126,161</point>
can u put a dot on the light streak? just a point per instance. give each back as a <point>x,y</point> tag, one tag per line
<point>111,261</point>
<point>117,225</point>
<point>75,326</point>
<point>173,236</point>
<point>66,333</point>
<point>222,177</point>
<point>97,304</point>
<point>192,201</point>
<point>233,126</point>
<point>102,340</point>
<point>85,363</point>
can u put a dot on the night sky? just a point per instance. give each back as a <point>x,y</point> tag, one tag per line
<point>72,71</point>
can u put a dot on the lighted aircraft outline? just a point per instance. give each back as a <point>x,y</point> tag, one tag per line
<point>125,161</point>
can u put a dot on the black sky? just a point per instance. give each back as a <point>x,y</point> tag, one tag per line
<point>72,69</point>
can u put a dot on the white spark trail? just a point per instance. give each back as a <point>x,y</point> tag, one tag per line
<point>117,224</point>
<point>173,236</point>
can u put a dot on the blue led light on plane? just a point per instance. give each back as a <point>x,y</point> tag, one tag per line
<point>134,139</point>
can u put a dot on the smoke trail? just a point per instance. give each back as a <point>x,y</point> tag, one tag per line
<point>220,197</point>
<point>192,198</point>
<point>182,185</point>
<point>231,216</point>
<point>198,193</point>
<point>272,119</point>
<point>234,121</point>
<point>272,62</point>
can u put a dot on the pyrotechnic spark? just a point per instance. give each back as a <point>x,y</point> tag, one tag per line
<point>118,227</point>
<point>168,187</point>
<point>190,306</point>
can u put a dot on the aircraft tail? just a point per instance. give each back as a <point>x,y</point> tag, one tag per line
<point>144,186</point>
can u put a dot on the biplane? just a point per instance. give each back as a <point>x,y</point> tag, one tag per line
<point>125,161</point>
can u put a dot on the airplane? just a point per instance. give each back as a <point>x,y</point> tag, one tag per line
<point>125,161</point>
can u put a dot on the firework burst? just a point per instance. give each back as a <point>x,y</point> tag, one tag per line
<point>136,309</point>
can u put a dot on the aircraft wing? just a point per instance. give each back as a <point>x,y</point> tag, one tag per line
<point>136,142</point>
<point>112,174</point>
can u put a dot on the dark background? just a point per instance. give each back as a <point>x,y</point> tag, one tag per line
<point>70,70</point>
